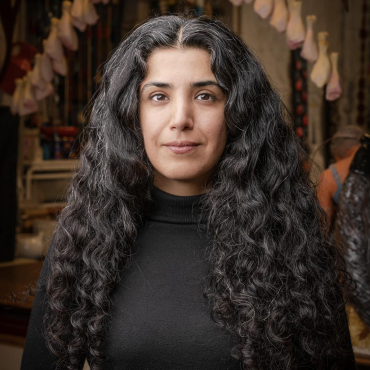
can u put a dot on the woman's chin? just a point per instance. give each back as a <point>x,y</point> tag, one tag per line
<point>178,176</point>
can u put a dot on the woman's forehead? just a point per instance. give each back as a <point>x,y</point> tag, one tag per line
<point>179,66</point>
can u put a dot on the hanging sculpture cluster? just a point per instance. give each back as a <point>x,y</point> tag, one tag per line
<point>36,85</point>
<point>286,17</point>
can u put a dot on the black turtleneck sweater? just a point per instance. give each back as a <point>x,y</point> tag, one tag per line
<point>159,319</point>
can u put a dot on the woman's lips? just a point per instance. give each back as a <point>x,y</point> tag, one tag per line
<point>181,147</point>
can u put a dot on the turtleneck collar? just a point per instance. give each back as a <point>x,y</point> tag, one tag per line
<point>174,208</point>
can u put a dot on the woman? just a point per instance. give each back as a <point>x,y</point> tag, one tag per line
<point>343,147</point>
<point>191,181</point>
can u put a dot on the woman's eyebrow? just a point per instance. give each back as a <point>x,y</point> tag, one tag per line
<point>164,85</point>
<point>205,83</point>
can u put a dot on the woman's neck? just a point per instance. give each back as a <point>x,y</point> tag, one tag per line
<point>179,187</point>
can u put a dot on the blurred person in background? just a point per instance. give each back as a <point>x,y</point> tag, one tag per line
<point>352,229</point>
<point>343,147</point>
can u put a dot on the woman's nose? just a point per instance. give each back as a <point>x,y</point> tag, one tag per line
<point>182,114</point>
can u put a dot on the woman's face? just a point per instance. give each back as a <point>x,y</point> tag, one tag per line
<point>182,119</point>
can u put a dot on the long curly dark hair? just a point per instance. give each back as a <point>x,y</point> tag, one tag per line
<point>276,280</point>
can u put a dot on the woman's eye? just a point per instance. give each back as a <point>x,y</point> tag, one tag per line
<point>206,97</point>
<point>158,97</point>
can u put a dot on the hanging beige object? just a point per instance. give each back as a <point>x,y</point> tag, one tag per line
<point>263,7</point>
<point>46,69</point>
<point>290,4</point>
<point>41,88</point>
<point>60,66</point>
<point>66,33</point>
<point>53,46</point>
<point>41,94</point>
<point>89,14</point>
<point>14,105</point>
<point>77,11</point>
<point>309,50</point>
<point>295,31</point>
<point>321,70</point>
<point>27,101</point>
<point>22,110</point>
<point>36,78</point>
<point>54,49</point>
<point>280,15</point>
<point>333,89</point>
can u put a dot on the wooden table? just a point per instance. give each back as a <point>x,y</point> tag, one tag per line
<point>14,316</point>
